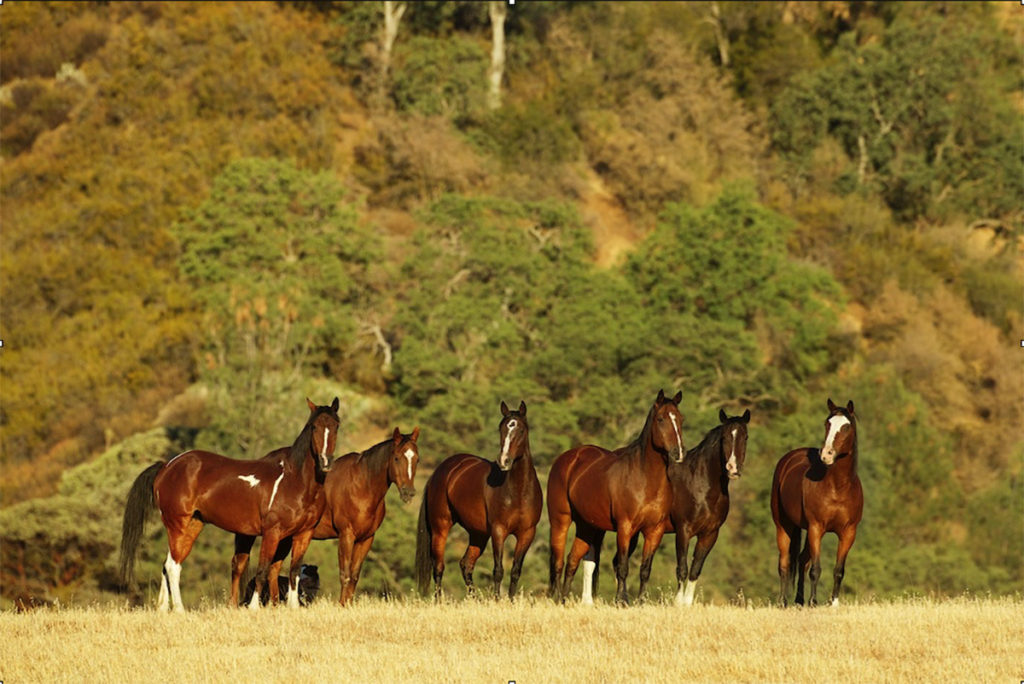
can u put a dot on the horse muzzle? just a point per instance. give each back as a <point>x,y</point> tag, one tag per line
<point>406,493</point>
<point>828,457</point>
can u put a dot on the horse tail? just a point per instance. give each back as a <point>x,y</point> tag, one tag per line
<point>424,567</point>
<point>137,510</point>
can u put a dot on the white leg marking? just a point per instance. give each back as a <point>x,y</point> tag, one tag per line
<point>293,592</point>
<point>254,602</point>
<point>251,479</point>
<point>679,438</point>
<point>173,579</point>
<point>685,595</point>
<point>163,602</point>
<point>274,493</point>
<point>835,602</point>
<point>587,598</point>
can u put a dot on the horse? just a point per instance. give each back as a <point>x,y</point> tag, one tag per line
<point>309,586</point>
<point>490,500</point>
<point>818,490</point>
<point>626,490</point>
<point>276,497</point>
<point>355,490</point>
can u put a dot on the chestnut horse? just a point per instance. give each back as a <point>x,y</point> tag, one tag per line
<point>490,500</point>
<point>276,497</point>
<point>626,490</point>
<point>818,490</point>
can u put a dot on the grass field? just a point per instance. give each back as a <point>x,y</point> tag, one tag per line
<point>956,640</point>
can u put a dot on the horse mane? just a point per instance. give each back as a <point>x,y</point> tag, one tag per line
<point>636,446</point>
<point>376,457</point>
<point>708,448</point>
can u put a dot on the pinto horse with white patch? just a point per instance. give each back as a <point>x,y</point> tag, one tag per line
<point>817,490</point>
<point>490,500</point>
<point>276,497</point>
<point>626,491</point>
<point>355,490</point>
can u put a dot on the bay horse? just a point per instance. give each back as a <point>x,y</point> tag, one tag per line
<point>354,490</point>
<point>626,491</point>
<point>491,500</point>
<point>276,497</point>
<point>817,490</point>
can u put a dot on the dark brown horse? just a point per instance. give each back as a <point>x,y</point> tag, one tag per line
<point>818,490</point>
<point>626,490</point>
<point>490,500</point>
<point>275,497</point>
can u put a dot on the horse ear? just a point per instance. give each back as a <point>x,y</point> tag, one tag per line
<point>335,404</point>
<point>311,405</point>
<point>722,417</point>
<point>661,396</point>
<point>522,407</point>
<point>678,398</point>
<point>831,406</point>
<point>415,434</point>
<point>396,435</point>
<point>504,409</point>
<point>849,406</point>
<point>746,416</point>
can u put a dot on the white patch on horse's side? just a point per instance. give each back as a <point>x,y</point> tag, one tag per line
<point>587,598</point>
<point>274,493</point>
<point>251,479</point>
<point>409,455</point>
<point>679,438</point>
<point>835,424</point>
<point>686,592</point>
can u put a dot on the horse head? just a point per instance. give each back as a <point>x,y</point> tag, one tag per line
<point>513,433</point>
<point>840,433</point>
<point>666,426</point>
<point>734,442</point>
<point>405,456</point>
<point>323,424</point>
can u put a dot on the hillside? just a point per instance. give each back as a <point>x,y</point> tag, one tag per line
<point>212,210</point>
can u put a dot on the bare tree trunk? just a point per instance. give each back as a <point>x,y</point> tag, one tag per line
<point>498,12</point>
<point>715,19</point>
<point>393,12</point>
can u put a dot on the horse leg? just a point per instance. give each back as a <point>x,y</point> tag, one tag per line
<point>239,562</point>
<point>651,542</point>
<point>273,586</point>
<point>438,538</point>
<point>498,536</point>
<point>592,568</point>
<point>523,541</point>
<point>556,552</point>
<point>682,583</point>
<point>268,546</point>
<point>359,552</point>
<point>477,542</point>
<point>299,544</point>
<point>623,537</point>
<point>580,547</point>
<point>346,544</point>
<point>813,548</point>
<point>700,553</point>
<point>846,537</point>
<point>180,538</point>
<point>787,537</point>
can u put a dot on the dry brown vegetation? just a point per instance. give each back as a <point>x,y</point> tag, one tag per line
<point>531,641</point>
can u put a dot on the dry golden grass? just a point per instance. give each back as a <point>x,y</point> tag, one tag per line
<point>532,641</point>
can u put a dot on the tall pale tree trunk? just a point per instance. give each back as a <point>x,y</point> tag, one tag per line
<point>498,12</point>
<point>393,12</point>
<point>715,19</point>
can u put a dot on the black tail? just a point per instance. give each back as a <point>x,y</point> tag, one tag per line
<point>137,510</point>
<point>424,566</point>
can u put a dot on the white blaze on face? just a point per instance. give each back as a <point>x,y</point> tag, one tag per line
<point>731,465</point>
<point>679,437</point>
<point>409,455</point>
<point>251,479</point>
<point>512,425</point>
<point>323,449</point>
<point>835,425</point>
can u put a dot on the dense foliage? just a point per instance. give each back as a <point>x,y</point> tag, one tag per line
<point>211,210</point>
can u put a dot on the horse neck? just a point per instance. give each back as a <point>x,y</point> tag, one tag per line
<point>374,463</point>
<point>845,469</point>
<point>302,458</point>
<point>522,465</point>
<point>704,461</point>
